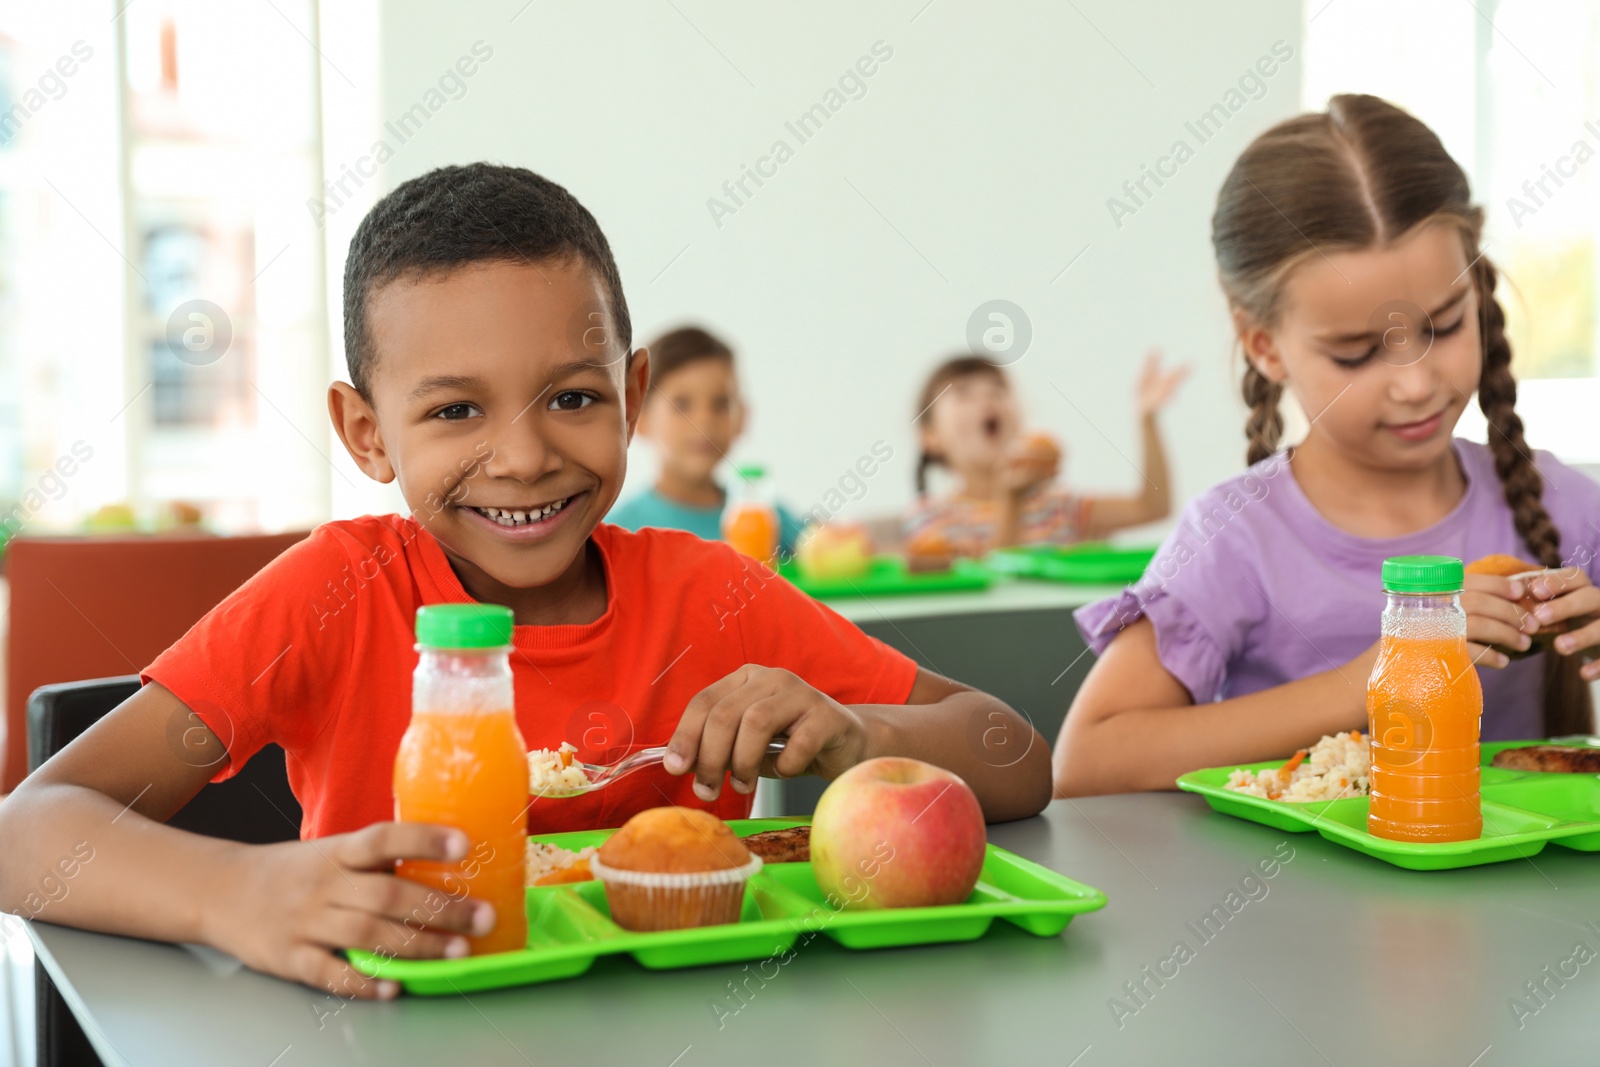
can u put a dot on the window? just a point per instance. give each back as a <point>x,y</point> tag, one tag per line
<point>1542,178</point>
<point>1509,86</point>
<point>61,271</point>
<point>227,332</point>
<point>162,284</point>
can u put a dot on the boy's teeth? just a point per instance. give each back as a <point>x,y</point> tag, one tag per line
<point>507,517</point>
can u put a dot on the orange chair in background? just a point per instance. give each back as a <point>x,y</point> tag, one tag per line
<point>94,607</point>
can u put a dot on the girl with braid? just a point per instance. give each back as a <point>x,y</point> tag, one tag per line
<point>1349,251</point>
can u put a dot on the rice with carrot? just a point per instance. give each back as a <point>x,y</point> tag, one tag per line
<point>555,771</point>
<point>1337,766</point>
<point>554,865</point>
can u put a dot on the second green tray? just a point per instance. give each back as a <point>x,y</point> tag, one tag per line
<point>1093,563</point>
<point>887,576</point>
<point>569,926</point>
<point>1522,812</point>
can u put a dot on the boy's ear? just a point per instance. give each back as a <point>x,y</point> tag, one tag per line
<point>1260,347</point>
<point>357,426</point>
<point>635,387</point>
<point>741,416</point>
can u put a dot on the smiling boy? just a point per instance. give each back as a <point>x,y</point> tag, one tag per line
<point>488,344</point>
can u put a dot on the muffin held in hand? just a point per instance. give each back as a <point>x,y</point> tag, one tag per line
<point>1501,564</point>
<point>1511,567</point>
<point>671,868</point>
<point>1040,448</point>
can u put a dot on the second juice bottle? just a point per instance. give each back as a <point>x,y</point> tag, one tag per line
<point>750,518</point>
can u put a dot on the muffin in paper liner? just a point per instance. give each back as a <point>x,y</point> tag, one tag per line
<point>657,900</point>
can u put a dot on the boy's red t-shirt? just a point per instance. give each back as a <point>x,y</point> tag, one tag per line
<point>315,653</point>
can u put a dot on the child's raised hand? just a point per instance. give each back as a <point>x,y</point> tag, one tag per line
<point>1494,618</point>
<point>1568,595</point>
<point>727,726</point>
<point>285,909</point>
<point>1157,386</point>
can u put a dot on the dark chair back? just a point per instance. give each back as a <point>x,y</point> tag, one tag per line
<point>255,806</point>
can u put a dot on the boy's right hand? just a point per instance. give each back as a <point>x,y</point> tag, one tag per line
<point>1495,619</point>
<point>285,909</point>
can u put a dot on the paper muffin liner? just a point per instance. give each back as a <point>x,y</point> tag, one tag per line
<point>661,900</point>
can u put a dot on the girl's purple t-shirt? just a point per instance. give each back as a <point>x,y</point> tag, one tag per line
<point>1254,588</point>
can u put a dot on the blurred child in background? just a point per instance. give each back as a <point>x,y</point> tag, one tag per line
<point>693,415</point>
<point>970,423</point>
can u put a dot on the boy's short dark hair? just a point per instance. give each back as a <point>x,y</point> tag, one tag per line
<point>682,346</point>
<point>455,216</point>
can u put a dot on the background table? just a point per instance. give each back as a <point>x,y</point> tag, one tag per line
<point>1016,640</point>
<point>1336,959</point>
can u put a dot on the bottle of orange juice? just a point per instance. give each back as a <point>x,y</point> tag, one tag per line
<point>463,763</point>
<point>1424,706</point>
<point>750,519</point>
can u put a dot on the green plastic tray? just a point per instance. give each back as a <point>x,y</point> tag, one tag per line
<point>1522,812</point>
<point>569,926</point>
<point>887,575</point>
<point>1093,563</point>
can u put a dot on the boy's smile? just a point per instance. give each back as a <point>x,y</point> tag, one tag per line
<point>506,430</point>
<point>528,523</point>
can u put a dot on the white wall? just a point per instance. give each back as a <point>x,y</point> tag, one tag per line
<point>977,165</point>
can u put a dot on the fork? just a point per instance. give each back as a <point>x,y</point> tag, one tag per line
<point>601,775</point>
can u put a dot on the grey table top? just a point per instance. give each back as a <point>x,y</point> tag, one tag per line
<point>1336,958</point>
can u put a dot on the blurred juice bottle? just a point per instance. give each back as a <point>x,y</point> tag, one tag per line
<point>750,518</point>
<point>1424,707</point>
<point>463,763</point>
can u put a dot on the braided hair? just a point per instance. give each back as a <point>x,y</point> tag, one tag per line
<point>1263,428</point>
<point>1497,397</point>
<point>1360,175</point>
<point>1568,699</point>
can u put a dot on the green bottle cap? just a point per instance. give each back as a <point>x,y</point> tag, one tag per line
<point>464,626</point>
<point>751,472</point>
<point>1422,574</point>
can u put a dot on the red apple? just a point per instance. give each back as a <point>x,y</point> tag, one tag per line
<point>837,550</point>
<point>893,832</point>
